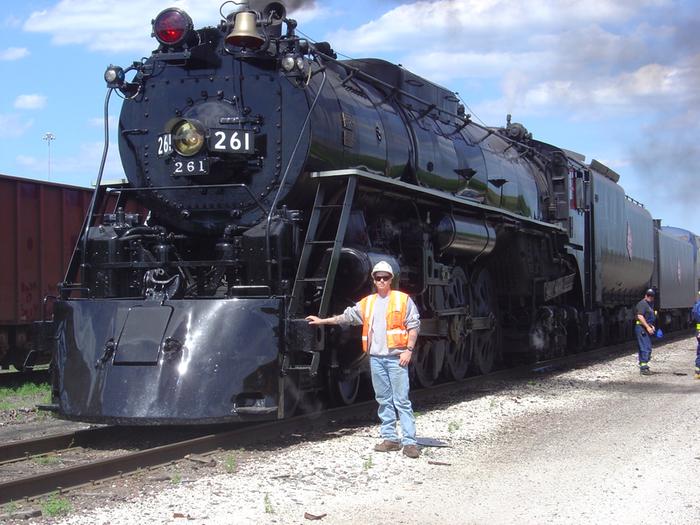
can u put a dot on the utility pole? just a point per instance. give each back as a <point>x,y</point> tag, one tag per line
<point>48,137</point>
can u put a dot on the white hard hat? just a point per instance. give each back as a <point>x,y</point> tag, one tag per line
<point>383,266</point>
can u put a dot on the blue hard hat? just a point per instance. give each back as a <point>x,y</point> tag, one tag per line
<point>659,333</point>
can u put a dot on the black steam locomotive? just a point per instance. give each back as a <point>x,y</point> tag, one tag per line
<point>266,177</point>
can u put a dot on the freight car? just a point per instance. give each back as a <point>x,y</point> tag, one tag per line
<point>274,176</point>
<point>690,238</point>
<point>39,225</point>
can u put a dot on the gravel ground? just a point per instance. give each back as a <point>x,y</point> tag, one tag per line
<point>601,444</point>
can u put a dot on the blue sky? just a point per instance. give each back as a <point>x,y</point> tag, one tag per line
<point>615,80</point>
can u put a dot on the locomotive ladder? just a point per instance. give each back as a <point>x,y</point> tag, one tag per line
<point>314,245</point>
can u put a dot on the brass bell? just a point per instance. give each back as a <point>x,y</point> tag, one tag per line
<point>245,31</point>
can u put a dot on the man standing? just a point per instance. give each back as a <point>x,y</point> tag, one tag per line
<point>390,324</point>
<point>644,329</point>
<point>695,314</point>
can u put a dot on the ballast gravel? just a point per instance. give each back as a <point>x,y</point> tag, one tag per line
<point>599,444</point>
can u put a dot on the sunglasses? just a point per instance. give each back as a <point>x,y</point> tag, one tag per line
<point>382,278</point>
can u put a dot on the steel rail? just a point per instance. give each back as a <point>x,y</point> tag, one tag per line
<point>34,447</point>
<point>11,379</point>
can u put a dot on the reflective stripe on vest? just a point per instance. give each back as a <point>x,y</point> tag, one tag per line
<point>697,326</point>
<point>396,332</point>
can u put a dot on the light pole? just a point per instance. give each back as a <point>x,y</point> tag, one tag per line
<point>48,137</point>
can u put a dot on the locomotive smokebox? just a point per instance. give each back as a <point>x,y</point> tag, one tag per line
<point>464,236</point>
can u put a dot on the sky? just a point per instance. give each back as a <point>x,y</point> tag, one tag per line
<point>614,80</point>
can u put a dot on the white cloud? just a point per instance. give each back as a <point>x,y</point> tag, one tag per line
<point>30,163</point>
<point>14,126</point>
<point>12,21</point>
<point>14,53</point>
<point>32,101</point>
<point>477,24</point>
<point>539,57</point>
<point>105,25</point>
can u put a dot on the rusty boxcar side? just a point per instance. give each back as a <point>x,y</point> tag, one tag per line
<point>39,225</point>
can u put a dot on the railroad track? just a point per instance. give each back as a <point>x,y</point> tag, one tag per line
<point>13,379</point>
<point>95,472</point>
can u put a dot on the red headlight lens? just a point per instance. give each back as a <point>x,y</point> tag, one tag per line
<point>172,26</point>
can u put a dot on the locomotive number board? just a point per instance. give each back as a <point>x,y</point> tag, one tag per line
<point>231,141</point>
<point>199,166</point>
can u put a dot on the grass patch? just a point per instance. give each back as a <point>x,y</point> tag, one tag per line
<point>176,478</point>
<point>268,505</point>
<point>368,463</point>
<point>55,506</point>
<point>453,426</point>
<point>48,459</point>
<point>11,507</point>
<point>230,463</point>
<point>25,396</point>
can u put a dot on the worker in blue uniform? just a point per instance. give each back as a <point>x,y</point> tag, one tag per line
<point>695,314</point>
<point>644,329</point>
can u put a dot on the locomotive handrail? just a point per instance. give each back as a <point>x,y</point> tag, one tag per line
<point>109,189</point>
<point>635,201</point>
<point>93,201</point>
<point>434,193</point>
<point>273,206</point>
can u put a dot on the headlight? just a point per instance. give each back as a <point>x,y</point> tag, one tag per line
<point>188,137</point>
<point>288,63</point>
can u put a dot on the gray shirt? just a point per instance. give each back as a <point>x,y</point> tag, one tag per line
<point>377,343</point>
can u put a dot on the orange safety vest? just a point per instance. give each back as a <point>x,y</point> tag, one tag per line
<point>396,332</point>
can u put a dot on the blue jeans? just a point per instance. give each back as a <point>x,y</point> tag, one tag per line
<point>697,351</point>
<point>644,342</point>
<point>390,382</point>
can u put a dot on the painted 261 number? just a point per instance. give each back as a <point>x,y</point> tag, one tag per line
<point>191,167</point>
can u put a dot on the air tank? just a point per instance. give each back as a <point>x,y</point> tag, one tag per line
<point>458,235</point>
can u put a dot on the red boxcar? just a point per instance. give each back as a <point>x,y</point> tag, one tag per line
<point>39,225</point>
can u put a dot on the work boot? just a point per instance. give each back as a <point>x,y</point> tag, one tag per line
<point>411,451</point>
<point>644,370</point>
<point>387,446</point>
<point>697,373</point>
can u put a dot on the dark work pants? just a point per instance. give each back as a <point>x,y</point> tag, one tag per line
<point>644,343</point>
<point>697,351</point>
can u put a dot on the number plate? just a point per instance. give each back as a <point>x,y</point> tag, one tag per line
<point>199,166</point>
<point>165,145</point>
<point>231,141</point>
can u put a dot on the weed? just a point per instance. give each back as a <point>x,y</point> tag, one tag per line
<point>416,413</point>
<point>453,426</point>
<point>268,505</point>
<point>55,506</point>
<point>24,396</point>
<point>230,463</point>
<point>11,507</point>
<point>176,478</point>
<point>47,459</point>
<point>368,463</point>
